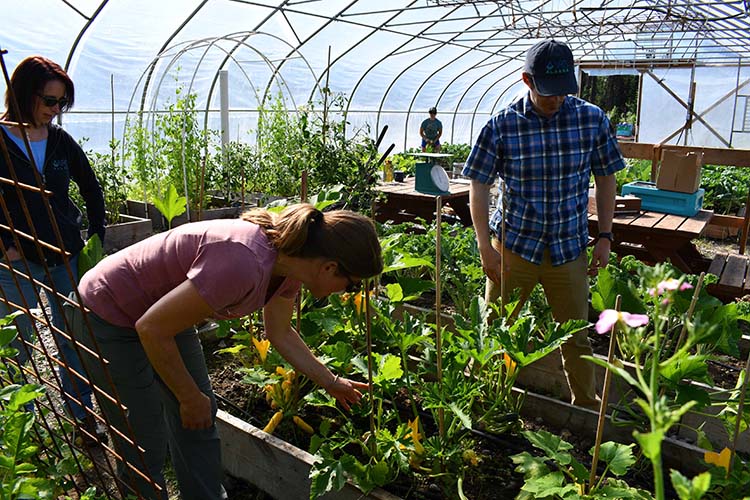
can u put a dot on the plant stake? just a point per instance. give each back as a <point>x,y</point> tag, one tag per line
<point>605,395</point>
<point>368,335</point>
<point>690,311</point>
<point>439,336</point>
<point>740,407</point>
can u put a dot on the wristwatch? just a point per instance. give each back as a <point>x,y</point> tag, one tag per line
<point>607,235</point>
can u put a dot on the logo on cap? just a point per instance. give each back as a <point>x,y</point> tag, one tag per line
<point>557,68</point>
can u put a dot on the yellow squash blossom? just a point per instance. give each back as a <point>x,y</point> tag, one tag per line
<point>510,365</point>
<point>416,438</point>
<point>262,347</point>
<point>359,303</point>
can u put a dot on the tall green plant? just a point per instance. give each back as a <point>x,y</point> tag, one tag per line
<point>316,141</point>
<point>180,142</point>
<point>141,157</point>
<point>173,149</point>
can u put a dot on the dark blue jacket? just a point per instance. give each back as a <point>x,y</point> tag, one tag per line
<point>64,161</point>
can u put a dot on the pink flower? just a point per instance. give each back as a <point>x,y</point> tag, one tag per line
<point>609,317</point>
<point>669,285</point>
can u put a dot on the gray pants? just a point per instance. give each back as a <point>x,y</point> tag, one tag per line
<point>153,411</point>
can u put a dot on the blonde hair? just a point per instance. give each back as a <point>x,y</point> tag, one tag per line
<point>344,236</point>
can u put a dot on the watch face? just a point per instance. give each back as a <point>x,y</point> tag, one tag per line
<point>440,178</point>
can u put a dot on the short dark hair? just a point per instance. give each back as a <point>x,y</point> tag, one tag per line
<point>432,110</point>
<point>28,81</point>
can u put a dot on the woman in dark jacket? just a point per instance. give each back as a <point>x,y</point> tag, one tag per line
<point>42,89</point>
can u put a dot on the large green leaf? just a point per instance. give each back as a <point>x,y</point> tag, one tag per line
<point>402,262</point>
<point>386,367</point>
<point>90,255</point>
<point>550,485</point>
<point>685,366</point>
<point>172,205</point>
<point>331,475</point>
<point>529,465</point>
<point>553,446</point>
<point>618,457</point>
<point>23,395</point>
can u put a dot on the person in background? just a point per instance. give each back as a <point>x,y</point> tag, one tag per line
<point>430,131</point>
<point>145,299</point>
<point>544,147</point>
<point>43,90</point>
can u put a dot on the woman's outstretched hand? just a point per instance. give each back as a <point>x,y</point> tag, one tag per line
<point>346,391</point>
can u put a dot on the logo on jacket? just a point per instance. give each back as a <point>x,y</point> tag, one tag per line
<point>59,164</point>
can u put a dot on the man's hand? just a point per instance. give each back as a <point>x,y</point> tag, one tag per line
<point>600,255</point>
<point>491,260</point>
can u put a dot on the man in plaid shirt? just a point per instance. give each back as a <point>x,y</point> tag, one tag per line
<point>544,147</point>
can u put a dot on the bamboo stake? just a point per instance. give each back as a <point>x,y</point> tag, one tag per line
<point>605,395</point>
<point>303,199</point>
<point>368,333</point>
<point>740,408</point>
<point>502,250</point>
<point>690,311</point>
<point>438,327</point>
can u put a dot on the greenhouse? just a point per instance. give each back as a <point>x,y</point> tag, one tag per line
<point>417,249</point>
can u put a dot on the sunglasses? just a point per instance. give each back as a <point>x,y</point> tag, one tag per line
<point>352,285</point>
<point>51,101</point>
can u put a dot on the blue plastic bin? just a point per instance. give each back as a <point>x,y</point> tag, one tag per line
<point>668,202</point>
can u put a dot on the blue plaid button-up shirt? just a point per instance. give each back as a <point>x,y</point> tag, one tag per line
<point>546,165</point>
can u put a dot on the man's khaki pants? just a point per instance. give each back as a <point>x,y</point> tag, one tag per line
<point>567,290</point>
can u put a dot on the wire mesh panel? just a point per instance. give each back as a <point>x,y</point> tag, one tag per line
<point>55,442</point>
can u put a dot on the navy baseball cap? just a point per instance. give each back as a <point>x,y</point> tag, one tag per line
<point>550,63</point>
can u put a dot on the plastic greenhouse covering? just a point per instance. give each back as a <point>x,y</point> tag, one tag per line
<point>391,59</point>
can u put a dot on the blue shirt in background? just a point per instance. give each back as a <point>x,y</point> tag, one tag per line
<point>38,149</point>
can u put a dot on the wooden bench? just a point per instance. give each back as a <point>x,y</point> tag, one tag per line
<point>733,270</point>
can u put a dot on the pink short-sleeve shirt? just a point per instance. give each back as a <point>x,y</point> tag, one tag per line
<point>229,262</point>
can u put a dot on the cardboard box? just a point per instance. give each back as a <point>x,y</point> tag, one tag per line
<point>623,204</point>
<point>680,172</point>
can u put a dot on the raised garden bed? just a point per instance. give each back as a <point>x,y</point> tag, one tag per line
<point>131,229</point>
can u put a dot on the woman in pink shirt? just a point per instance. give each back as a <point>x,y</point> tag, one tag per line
<point>145,299</point>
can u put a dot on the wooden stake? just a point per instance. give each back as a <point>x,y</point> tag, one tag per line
<point>690,311</point>
<point>303,198</point>
<point>605,395</point>
<point>438,291</point>
<point>368,336</point>
<point>502,250</point>
<point>740,408</point>
<point>303,187</point>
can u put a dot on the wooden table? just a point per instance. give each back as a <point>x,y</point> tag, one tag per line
<point>658,237</point>
<point>401,203</point>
